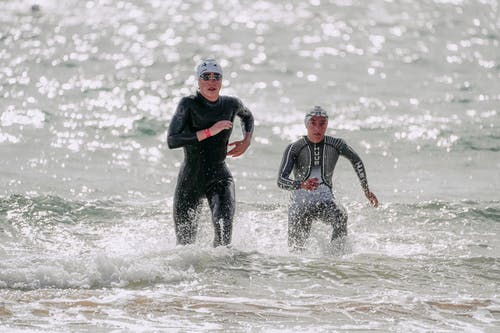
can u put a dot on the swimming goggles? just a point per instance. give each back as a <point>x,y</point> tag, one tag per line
<point>208,76</point>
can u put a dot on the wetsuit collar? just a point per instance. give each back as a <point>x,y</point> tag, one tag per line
<point>312,143</point>
<point>199,95</point>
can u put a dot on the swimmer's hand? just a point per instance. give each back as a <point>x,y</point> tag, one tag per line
<point>373,199</point>
<point>239,146</point>
<point>310,184</point>
<point>220,126</point>
<point>214,129</point>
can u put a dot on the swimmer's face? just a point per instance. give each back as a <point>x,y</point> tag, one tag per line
<point>210,85</point>
<point>316,128</point>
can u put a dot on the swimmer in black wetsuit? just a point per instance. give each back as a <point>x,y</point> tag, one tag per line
<point>312,160</point>
<point>202,125</point>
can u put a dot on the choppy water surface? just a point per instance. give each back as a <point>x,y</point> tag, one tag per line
<point>86,180</point>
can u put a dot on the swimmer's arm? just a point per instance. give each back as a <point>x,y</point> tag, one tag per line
<point>178,134</point>
<point>247,126</point>
<point>285,170</point>
<point>247,120</point>
<point>213,130</point>
<point>346,151</point>
<point>240,146</point>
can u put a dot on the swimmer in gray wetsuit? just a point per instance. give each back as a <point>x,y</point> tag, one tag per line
<point>202,125</point>
<point>312,160</point>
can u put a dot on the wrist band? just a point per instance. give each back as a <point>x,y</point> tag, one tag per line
<point>207,133</point>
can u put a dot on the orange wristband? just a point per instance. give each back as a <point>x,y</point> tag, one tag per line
<point>207,133</point>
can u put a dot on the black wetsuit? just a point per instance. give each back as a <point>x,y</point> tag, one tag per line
<point>204,173</point>
<point>315,160</point>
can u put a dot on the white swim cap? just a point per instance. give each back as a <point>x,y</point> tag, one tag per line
<point>208,66</point>
<point>315,111</point>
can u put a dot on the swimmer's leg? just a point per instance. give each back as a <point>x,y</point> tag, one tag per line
<point>335,215</point>
<point>186,212</point>
<point>299,227</point>
<point>221,201</point>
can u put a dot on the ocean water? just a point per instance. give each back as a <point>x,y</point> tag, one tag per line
<point>87,91</point>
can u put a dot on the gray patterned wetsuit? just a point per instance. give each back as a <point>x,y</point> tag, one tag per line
<point>315,160</point>
<point>204,172</point>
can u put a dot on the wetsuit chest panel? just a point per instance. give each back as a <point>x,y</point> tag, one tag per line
<point>322,155</point>
<point>204,160</point>
<point>204,114</point>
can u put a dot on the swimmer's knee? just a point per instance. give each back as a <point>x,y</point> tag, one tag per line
<point>339,229</point>
<point>298,235</point>
<point>223,229</point>
<point>295,243</point>
<point>185,228</point>
<point>185,236</point>
<point>340,215</point>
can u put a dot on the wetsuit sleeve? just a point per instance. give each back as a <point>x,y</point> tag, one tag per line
<point>179,134</point>
<point>349,153</point>
<point>285,170</point>
<point>247,120</point>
